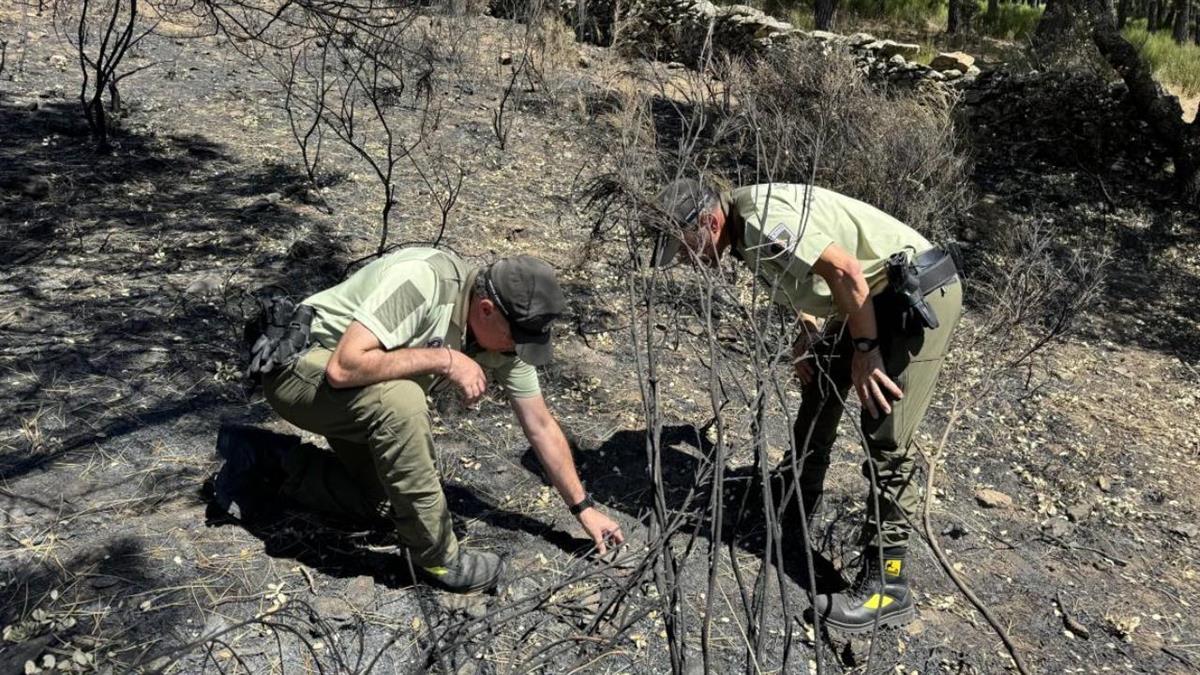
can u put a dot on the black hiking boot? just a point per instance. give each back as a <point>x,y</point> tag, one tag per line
<point>879,596</point>
<point>469,572</point>
<point>248,482</point>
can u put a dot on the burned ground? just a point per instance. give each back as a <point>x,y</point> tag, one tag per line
<point>122,297</point>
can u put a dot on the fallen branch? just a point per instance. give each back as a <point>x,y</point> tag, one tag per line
<point>931,463</point>
<point>1077,547</point>
<point>1181,658</point>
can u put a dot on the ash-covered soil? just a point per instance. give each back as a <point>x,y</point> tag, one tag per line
<point>124,288</point>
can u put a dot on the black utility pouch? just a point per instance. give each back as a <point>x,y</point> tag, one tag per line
<point>905,283</point>
<point>277,336</point>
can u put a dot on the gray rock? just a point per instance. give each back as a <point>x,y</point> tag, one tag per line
<point>505,58</point>
<point>860,39</point>
<point>993,499</point>
<point>1057,527</point>
<point>889,48</point>
<point>336,610</point>
<point>768,27</point>
<point>824,36</point>
<point>959,61</point>
<point>951,75</point>
<point>1079,512</point>
<point>360,593</point>
<point>209,283</point>
<point>897,60</point>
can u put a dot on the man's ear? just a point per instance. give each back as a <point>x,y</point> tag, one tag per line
<point>708,220</point>
<point>487,307</point>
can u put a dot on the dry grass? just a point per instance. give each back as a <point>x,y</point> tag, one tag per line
<point>820,122</point>
<point>1189,102</point>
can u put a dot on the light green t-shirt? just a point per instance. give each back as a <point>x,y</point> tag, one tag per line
<point>415,297</point>
<point>788,226</point>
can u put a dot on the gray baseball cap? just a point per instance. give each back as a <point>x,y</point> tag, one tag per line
<point>526,291</point>
<point>681,201</point>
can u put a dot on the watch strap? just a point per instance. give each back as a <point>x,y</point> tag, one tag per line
<point>864,344</point>
<point>586,503</point>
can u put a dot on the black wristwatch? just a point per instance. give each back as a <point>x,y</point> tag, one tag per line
<point>583,505</point>
<point>865,344</point>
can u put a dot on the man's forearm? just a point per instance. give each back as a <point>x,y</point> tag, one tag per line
<point>378,365</point>
<point>853,298</point>
<point>554,453</point>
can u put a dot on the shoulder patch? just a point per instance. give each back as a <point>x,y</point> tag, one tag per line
<point>405,300</point>
<point>779,239</point>
<point>435,343</point>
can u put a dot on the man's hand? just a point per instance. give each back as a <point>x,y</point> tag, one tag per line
<point>871,381</point>
<point>601,529</point>
<point>554,453</point>
<point>803,359</point>
<point>466,373</point>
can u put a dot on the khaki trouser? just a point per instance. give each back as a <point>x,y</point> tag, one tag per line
<point>383,456</point>
<point>913,362</point>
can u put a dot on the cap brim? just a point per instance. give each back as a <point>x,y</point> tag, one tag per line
<point>666,249</point>
<point>534,347</point>
<point>535,353</point>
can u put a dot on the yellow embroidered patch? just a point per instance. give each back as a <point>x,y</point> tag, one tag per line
<point>878,601</point>
<point>892,566</point>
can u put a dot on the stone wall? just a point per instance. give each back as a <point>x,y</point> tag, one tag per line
<point>678,30</point>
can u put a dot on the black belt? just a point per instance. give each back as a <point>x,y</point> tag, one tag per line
<point>935,269</point>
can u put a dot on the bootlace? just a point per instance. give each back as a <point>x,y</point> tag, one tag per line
<point>868,577</point>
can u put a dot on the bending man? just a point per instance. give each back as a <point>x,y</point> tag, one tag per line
<point>887,320</point>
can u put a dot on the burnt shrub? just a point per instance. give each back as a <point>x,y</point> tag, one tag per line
<point>810,116</point>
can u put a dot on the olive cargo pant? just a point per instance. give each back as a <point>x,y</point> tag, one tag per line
<point>383,455</point>
<point>913,362</point>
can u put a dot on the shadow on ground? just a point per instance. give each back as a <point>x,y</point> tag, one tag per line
<point>126,276</point>
<point>687,483</point>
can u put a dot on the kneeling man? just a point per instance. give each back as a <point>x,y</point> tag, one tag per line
<point>416,320</point>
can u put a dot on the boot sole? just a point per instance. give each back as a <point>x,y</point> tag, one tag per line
<point>897,619</point>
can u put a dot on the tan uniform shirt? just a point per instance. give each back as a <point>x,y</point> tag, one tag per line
<point>788,226</point>
<point>415,297</point>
